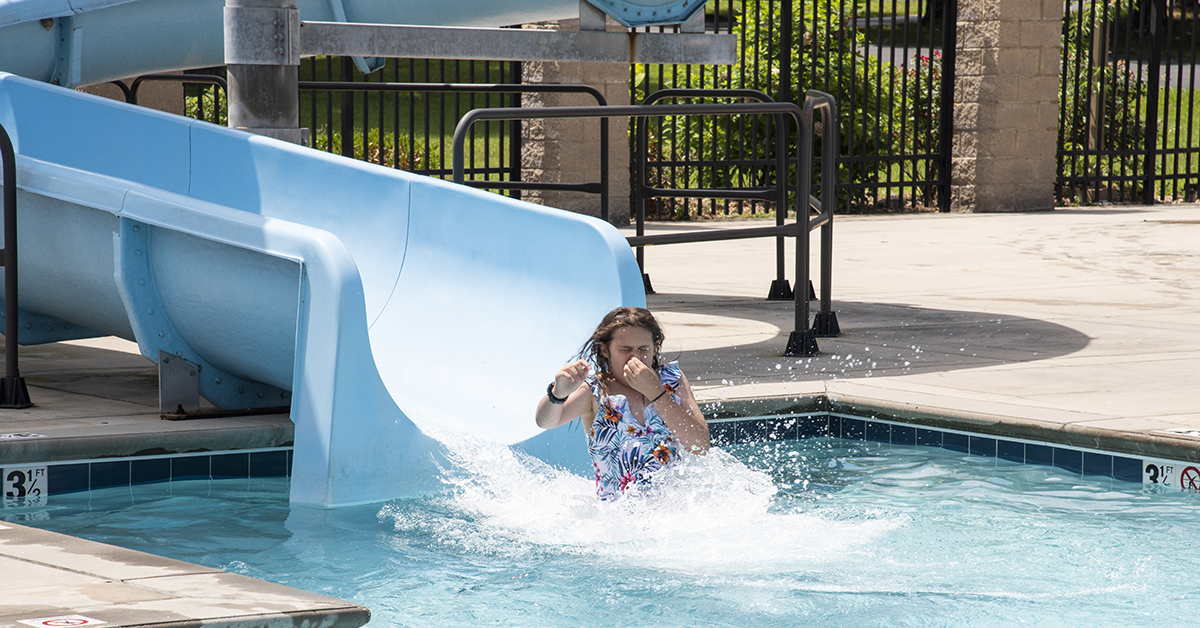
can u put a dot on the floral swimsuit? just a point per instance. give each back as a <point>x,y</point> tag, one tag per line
<point>624,451</point>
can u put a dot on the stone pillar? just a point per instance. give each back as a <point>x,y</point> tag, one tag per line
<point>1006,105</point>
<point>567,151</point>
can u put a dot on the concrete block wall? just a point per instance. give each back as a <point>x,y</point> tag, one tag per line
<point>1006,105</point>
<point>567,150</point>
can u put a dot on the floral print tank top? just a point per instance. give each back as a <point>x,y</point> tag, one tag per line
<point>624,452</point>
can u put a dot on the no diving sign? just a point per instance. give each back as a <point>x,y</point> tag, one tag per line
<point>1189,480</point>
<point>1164,475</point>
<point>65,621</point>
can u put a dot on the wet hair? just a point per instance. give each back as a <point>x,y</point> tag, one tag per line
<point>614,320</point>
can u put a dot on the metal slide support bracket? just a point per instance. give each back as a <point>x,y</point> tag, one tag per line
<point>178,384</point>
<point>262,36</point>
<point>155,333</point>
<point>68,53</point>
<point>262,61</point>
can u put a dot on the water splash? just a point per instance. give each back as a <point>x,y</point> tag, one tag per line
<point>705,514</point>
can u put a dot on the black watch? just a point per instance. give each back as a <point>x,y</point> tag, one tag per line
<point>550,395</point>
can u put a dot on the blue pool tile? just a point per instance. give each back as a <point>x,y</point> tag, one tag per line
<point>956,442</point>
<point>853,428</point>
<point>231,466</point>
<point>110,474</point>
<point>904,435</point>
<point>190,467</point>
<point>721,433</point>
<point>761,430</point>
<point>811,426</point>
<point>874,430</point>
<point>1127,469</point>
<point>1068,459</point>
<point>929,437</point>
<point>1039,454</point>
<point>1010,450</point>
<point>149,470</point>
<point>265,464</point>
<point>783,428</point>
<point>1097,464</point>
<point>982,446</point>
<point>67,478</point>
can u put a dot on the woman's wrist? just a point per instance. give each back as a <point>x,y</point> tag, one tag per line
<point>555,399</point>
<point>660,395</point>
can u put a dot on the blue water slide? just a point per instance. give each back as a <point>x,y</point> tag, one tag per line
<point>84,42</point>
<point>382,306</point>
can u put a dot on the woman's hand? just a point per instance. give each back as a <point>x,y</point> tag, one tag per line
<point>642,378</point>
<point>567,383</point>
<point>570,377</point>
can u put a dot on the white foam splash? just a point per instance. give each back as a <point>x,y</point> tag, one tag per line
<point>705,514</point>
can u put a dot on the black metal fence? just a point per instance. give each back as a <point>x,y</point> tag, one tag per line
<point>410,128</point>
<point>1128,128</point>
<point>881,59</point>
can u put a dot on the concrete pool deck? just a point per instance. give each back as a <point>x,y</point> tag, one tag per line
<point>1077,327</point>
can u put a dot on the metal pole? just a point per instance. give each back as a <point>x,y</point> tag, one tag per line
<point>946,121</point>
<point>1157,11</point>
<point>825,323</point>
<point>785,95</point>
<point>262,57</point>
<point>803,342</point>
<point>13,392</point>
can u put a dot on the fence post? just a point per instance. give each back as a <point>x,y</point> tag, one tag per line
<point>946,108</point>
<point>1157,12</point>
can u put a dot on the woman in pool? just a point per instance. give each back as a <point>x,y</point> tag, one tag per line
<point>638,414</point>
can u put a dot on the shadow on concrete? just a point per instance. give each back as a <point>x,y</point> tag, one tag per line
<point>877,340</point>
<point>90,371</point>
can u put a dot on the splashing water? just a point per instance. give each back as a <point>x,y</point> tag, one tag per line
<point>505,503</point>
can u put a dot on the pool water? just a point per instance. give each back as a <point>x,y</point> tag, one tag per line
<point>814,532</point>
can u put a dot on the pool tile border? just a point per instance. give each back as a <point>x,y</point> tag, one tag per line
<point>83,475</point>
<point>808,425</point>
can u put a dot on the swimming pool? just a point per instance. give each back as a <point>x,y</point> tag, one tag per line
<point>813,531</point>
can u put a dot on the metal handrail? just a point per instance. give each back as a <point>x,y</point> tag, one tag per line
<point>825,322</point>
<point>13,391</point>
<point>802,341</point>
<point>204,79</point>
<point>600,187</point>
<point>779,290</point>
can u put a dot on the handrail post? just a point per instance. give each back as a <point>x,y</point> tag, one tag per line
<point>825,324</point>
<point>643,140</point>
<point>803,342</point>
<point>779,289</point>
<point>13,392</point>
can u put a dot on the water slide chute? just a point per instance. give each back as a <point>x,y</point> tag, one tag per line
<point>381,304</point>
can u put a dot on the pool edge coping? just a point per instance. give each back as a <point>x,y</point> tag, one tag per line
<point>1068,434</point>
